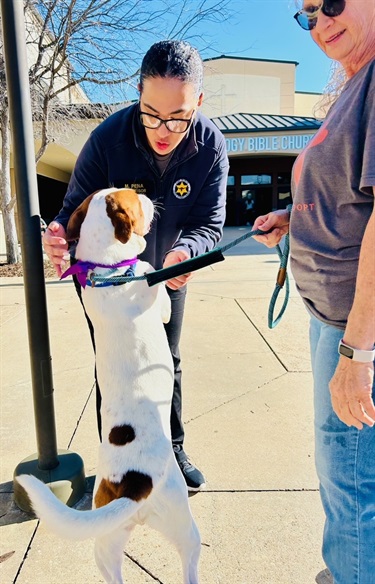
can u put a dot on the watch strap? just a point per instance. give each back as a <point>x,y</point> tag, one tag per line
<point>355,354</point>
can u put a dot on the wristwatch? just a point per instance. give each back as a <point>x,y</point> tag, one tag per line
<point>356,354</point>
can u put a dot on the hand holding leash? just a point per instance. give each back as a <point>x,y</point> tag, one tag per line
<point>277,221</point>
<point>55,245</point>
<point>173,258</point>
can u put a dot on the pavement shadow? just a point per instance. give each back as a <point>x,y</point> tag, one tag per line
<point>324,577</point>
<point>11,514</point>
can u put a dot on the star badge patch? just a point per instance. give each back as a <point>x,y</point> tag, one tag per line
<point>181,188</point>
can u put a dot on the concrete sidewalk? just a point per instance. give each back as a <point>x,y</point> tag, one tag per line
<point>249,427</point>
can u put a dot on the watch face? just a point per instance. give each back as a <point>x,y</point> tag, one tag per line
<point>346,351</point>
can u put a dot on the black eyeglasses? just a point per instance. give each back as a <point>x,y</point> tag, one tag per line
<point>178,126</point>
<point>308,17</point>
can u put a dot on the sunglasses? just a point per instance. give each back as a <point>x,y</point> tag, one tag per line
<point>308,17</point>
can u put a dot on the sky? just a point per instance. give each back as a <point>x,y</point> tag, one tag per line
<point>257,29</point>
<point>266,29</point>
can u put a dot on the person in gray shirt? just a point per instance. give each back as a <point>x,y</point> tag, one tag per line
<point>332,237</point>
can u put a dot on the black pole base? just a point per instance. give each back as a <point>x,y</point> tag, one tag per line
<point>67,481</point>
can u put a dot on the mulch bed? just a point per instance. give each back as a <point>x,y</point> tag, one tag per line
<point>11,270</point>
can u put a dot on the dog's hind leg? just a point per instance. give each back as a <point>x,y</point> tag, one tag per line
<point>189,553</point>
<point>178,526</point>
<point>188,544</point>
<point>109,550</point>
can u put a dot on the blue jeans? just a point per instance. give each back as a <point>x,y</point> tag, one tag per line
<point>345,463</point>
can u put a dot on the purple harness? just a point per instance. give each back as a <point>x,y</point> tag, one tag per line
<point>80,269</point>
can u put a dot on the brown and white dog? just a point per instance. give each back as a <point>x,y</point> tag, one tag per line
<point>138,480</point>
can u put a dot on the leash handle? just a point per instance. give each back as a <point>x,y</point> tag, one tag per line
<point>185,267</point>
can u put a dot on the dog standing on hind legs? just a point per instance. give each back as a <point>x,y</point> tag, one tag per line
<point>138,479</point>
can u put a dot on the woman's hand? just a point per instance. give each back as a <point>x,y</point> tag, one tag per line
<point>351,393</point>
<point>175,257</point>
<point>278,221</point>
<point>351,386</point>
<point>56,246</point>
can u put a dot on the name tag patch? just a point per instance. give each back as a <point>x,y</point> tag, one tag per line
<point>141,186</point>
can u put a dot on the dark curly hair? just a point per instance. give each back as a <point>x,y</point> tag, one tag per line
<point>173,59</point>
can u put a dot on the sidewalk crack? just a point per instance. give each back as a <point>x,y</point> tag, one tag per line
<point>225,403</point>
<point>142,568</point>
<point>231,491</point>
<point>26,553</point>
<point>261,334</point>
<point>81,415</point>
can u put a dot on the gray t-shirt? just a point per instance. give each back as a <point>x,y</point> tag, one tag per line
<point>333,200</point>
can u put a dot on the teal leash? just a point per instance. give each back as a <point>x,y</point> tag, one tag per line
<point>207,259</point>
<point>282,278</point>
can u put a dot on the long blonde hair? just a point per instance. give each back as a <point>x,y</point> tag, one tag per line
<point>335,85</point>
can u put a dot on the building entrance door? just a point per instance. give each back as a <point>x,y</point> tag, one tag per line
<point>256,195</point>
<point>262,200</point>
<point>255,201</point>
<point>231,206</point>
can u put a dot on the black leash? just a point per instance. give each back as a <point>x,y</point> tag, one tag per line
<point>207,259</point>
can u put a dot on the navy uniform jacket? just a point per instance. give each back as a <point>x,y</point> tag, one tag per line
<point>189,197</point>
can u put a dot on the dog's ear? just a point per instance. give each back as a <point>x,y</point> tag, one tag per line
<point>76,219</point>
<point>125,211</point>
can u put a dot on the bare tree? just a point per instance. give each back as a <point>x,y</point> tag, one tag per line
<point>76,46</point>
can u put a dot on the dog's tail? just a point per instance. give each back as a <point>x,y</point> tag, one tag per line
<point>71,523</point>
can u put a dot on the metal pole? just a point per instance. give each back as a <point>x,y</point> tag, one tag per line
<point>31,248</point>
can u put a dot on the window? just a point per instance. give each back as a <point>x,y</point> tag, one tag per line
<point>256,179</point>
<point>231,181</point>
